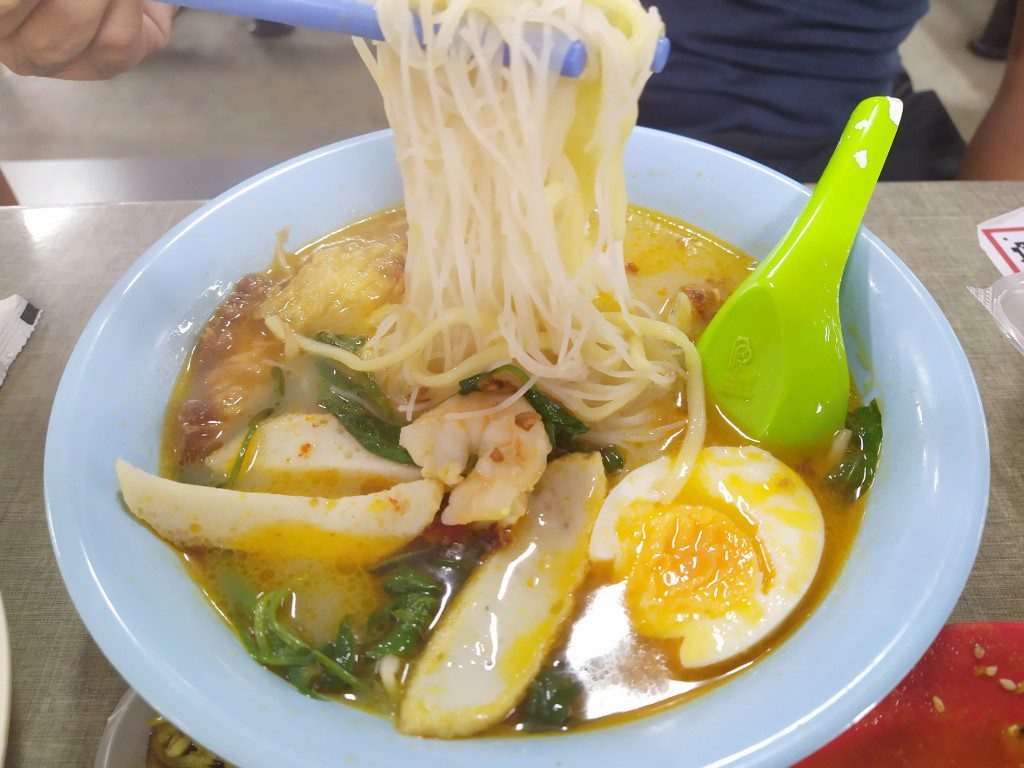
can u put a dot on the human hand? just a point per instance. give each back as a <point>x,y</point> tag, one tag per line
<point>80,39</point>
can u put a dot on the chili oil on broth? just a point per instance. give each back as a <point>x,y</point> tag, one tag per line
<point>623,674</point>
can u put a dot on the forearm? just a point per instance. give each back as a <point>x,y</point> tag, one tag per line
<point>997,149</point>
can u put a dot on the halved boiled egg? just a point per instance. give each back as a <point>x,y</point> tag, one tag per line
<point>722,565</point>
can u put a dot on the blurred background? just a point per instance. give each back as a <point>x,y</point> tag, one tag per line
<point>221,103</point>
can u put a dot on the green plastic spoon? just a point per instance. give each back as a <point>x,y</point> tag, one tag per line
<point>773,356</point>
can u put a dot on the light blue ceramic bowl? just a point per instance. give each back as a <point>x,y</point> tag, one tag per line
<point>910,562</point>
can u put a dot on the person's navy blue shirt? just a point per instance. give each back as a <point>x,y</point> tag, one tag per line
<point>791,71</point>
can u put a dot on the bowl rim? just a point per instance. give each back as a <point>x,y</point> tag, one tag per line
<point>845,707</point>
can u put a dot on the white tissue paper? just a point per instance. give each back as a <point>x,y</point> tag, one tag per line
<point>18,319</point>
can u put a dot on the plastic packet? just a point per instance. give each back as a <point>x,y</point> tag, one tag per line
<point>1004,300</point>
<point>18,318</point>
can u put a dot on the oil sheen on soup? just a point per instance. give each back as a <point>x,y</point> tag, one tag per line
<point>239,376</point>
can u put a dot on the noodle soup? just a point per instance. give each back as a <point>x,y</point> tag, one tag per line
<point>454,463</point>
<point>238,371</point>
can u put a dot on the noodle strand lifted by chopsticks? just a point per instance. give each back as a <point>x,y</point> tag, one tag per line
<point>515,196</point>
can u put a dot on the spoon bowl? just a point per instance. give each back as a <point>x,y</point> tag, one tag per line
<point>774,360</point>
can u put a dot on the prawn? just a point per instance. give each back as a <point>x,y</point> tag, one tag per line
<point>511,448</point>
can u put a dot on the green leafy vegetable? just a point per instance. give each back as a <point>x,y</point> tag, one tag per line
<point>406,580</point>
<point>278,373</point>
<point>303,678</point>
<point>399,626</point>
<point>414,608</point>
<point>612,460</point>
<point>458,557</point>
<point>374,434</point>
<point>409,615</point>
<point>274,643</point>
<point>268,606</point>
<point>379,622</point>
<point>473,382</point>
<point>549,702</point>
<point>390,563</point>
<point>344,341</point>
<point>243,448</point>
<point>357,401</point>
<point>344,649</point>
<point>561,425</point>
<point>348,662</point>
<point>335,670</point>
<point>360,385</point>
<point>254,424</point>
<point>855,473</point>
<point>200,474</point>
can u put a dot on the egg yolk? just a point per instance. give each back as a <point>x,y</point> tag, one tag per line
<point>685,563</point>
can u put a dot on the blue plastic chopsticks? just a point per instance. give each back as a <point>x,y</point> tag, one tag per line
<point>359,19</point>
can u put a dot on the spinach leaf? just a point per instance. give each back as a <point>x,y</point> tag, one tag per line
<point>855,473</point>
<point>410,615</point>
<point>406,580</point>
<point>278,373</point>
<point>399,626</point>
<point>473,382</point>
<point>458,557</point>
<point>336,670</point>
<point>303,678</point>
<point>344,649</point>
<point>561,425</point>
<point>612,459</point>
<point>378,622</point>
<point>274,643</point>
<point>361,385</point>
<point>559,422</point>
<point>243,448</point>
<point>346,663</point>
<point>392,562</point>
<point>374,434</point>
<point>254,424</point>
<point>549,702</point>
<point>342,340</point>
<point>200,474</point>
<point>357,401</point>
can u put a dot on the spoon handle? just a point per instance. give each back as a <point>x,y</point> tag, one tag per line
<point>818,243</point>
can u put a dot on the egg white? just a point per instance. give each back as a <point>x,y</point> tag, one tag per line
<point>750,482</point>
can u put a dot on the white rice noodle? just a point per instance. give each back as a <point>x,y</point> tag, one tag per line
<point>515,196</point>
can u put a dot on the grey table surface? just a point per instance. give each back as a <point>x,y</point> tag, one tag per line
<point>65,260</point>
